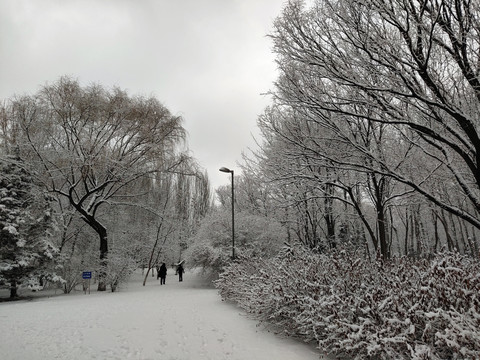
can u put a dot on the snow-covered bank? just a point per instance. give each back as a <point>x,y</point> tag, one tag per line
<point>175,321</point>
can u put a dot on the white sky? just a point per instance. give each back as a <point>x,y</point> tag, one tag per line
<point>206,60</point>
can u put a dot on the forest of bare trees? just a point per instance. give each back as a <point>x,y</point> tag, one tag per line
<point>372,135</point>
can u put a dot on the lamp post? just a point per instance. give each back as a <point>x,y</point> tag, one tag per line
<point>227,170</point>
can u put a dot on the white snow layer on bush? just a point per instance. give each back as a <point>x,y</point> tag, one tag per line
<point>398,309</point>
<point>11,229</point>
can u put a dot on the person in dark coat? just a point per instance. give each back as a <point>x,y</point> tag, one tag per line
<point>162,273</point>
<point>180,272</point>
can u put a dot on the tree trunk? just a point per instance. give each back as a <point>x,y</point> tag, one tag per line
<point>391,230</point>
<point>469,240</point>
<point>358,209</point>
<point>455,233</point>
<point>443,220</point>
<point>382,231</point>
<point>329,216</point>
<point>102,285</point>
<point>13,289</point>
<point>416,228</point>
<point>435,228</point>
<point>407,229</point>
<point>102,234</point>
<point>474,241</point>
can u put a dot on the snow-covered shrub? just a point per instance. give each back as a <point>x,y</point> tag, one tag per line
<point>398,309</point>
<point>72,275</point>
<point>120,265</point>
<point>204,255</point>
<point>74,266</point>
<point>255,235</point>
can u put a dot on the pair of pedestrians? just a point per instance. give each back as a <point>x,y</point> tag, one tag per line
<point>162,273</point>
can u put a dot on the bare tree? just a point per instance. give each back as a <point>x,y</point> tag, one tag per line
<point>410,66</point>
<point>90,144</point>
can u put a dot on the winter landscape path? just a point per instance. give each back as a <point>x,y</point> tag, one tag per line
<point>176,321</point>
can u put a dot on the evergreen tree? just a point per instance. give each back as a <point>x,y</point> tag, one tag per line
<point>26,225</point>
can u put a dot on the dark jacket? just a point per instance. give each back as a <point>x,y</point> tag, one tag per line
<point>180,270</point>
<point>163,271</point>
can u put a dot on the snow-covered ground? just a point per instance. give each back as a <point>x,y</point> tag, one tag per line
<point>176,321</point>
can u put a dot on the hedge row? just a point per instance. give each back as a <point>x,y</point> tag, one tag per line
<point>400,309</point>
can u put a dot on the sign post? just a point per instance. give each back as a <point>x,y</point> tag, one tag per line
<point>87,275</point>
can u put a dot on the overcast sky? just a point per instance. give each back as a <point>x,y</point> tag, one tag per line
<point>206,60</point>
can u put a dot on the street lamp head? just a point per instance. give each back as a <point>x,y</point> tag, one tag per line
<point>226,170</point>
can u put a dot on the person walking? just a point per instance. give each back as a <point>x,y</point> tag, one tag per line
<point>162,273</point>
<point>180,272</point>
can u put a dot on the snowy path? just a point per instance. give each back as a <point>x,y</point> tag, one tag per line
<point>178,321</point>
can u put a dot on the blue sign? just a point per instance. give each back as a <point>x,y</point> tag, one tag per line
<point>87,275</point>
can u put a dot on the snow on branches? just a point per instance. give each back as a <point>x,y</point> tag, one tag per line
<point>400,309</point>
<point>26,247</point>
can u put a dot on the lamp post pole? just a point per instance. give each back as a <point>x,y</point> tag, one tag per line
<point>227,170</point>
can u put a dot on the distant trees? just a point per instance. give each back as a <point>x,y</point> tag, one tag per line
<point>27,250</point>
<point>181,200</point>
<point>257,231</point>
<point>255,235</point>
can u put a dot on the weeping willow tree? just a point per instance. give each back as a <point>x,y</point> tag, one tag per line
<point>89,144</point>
